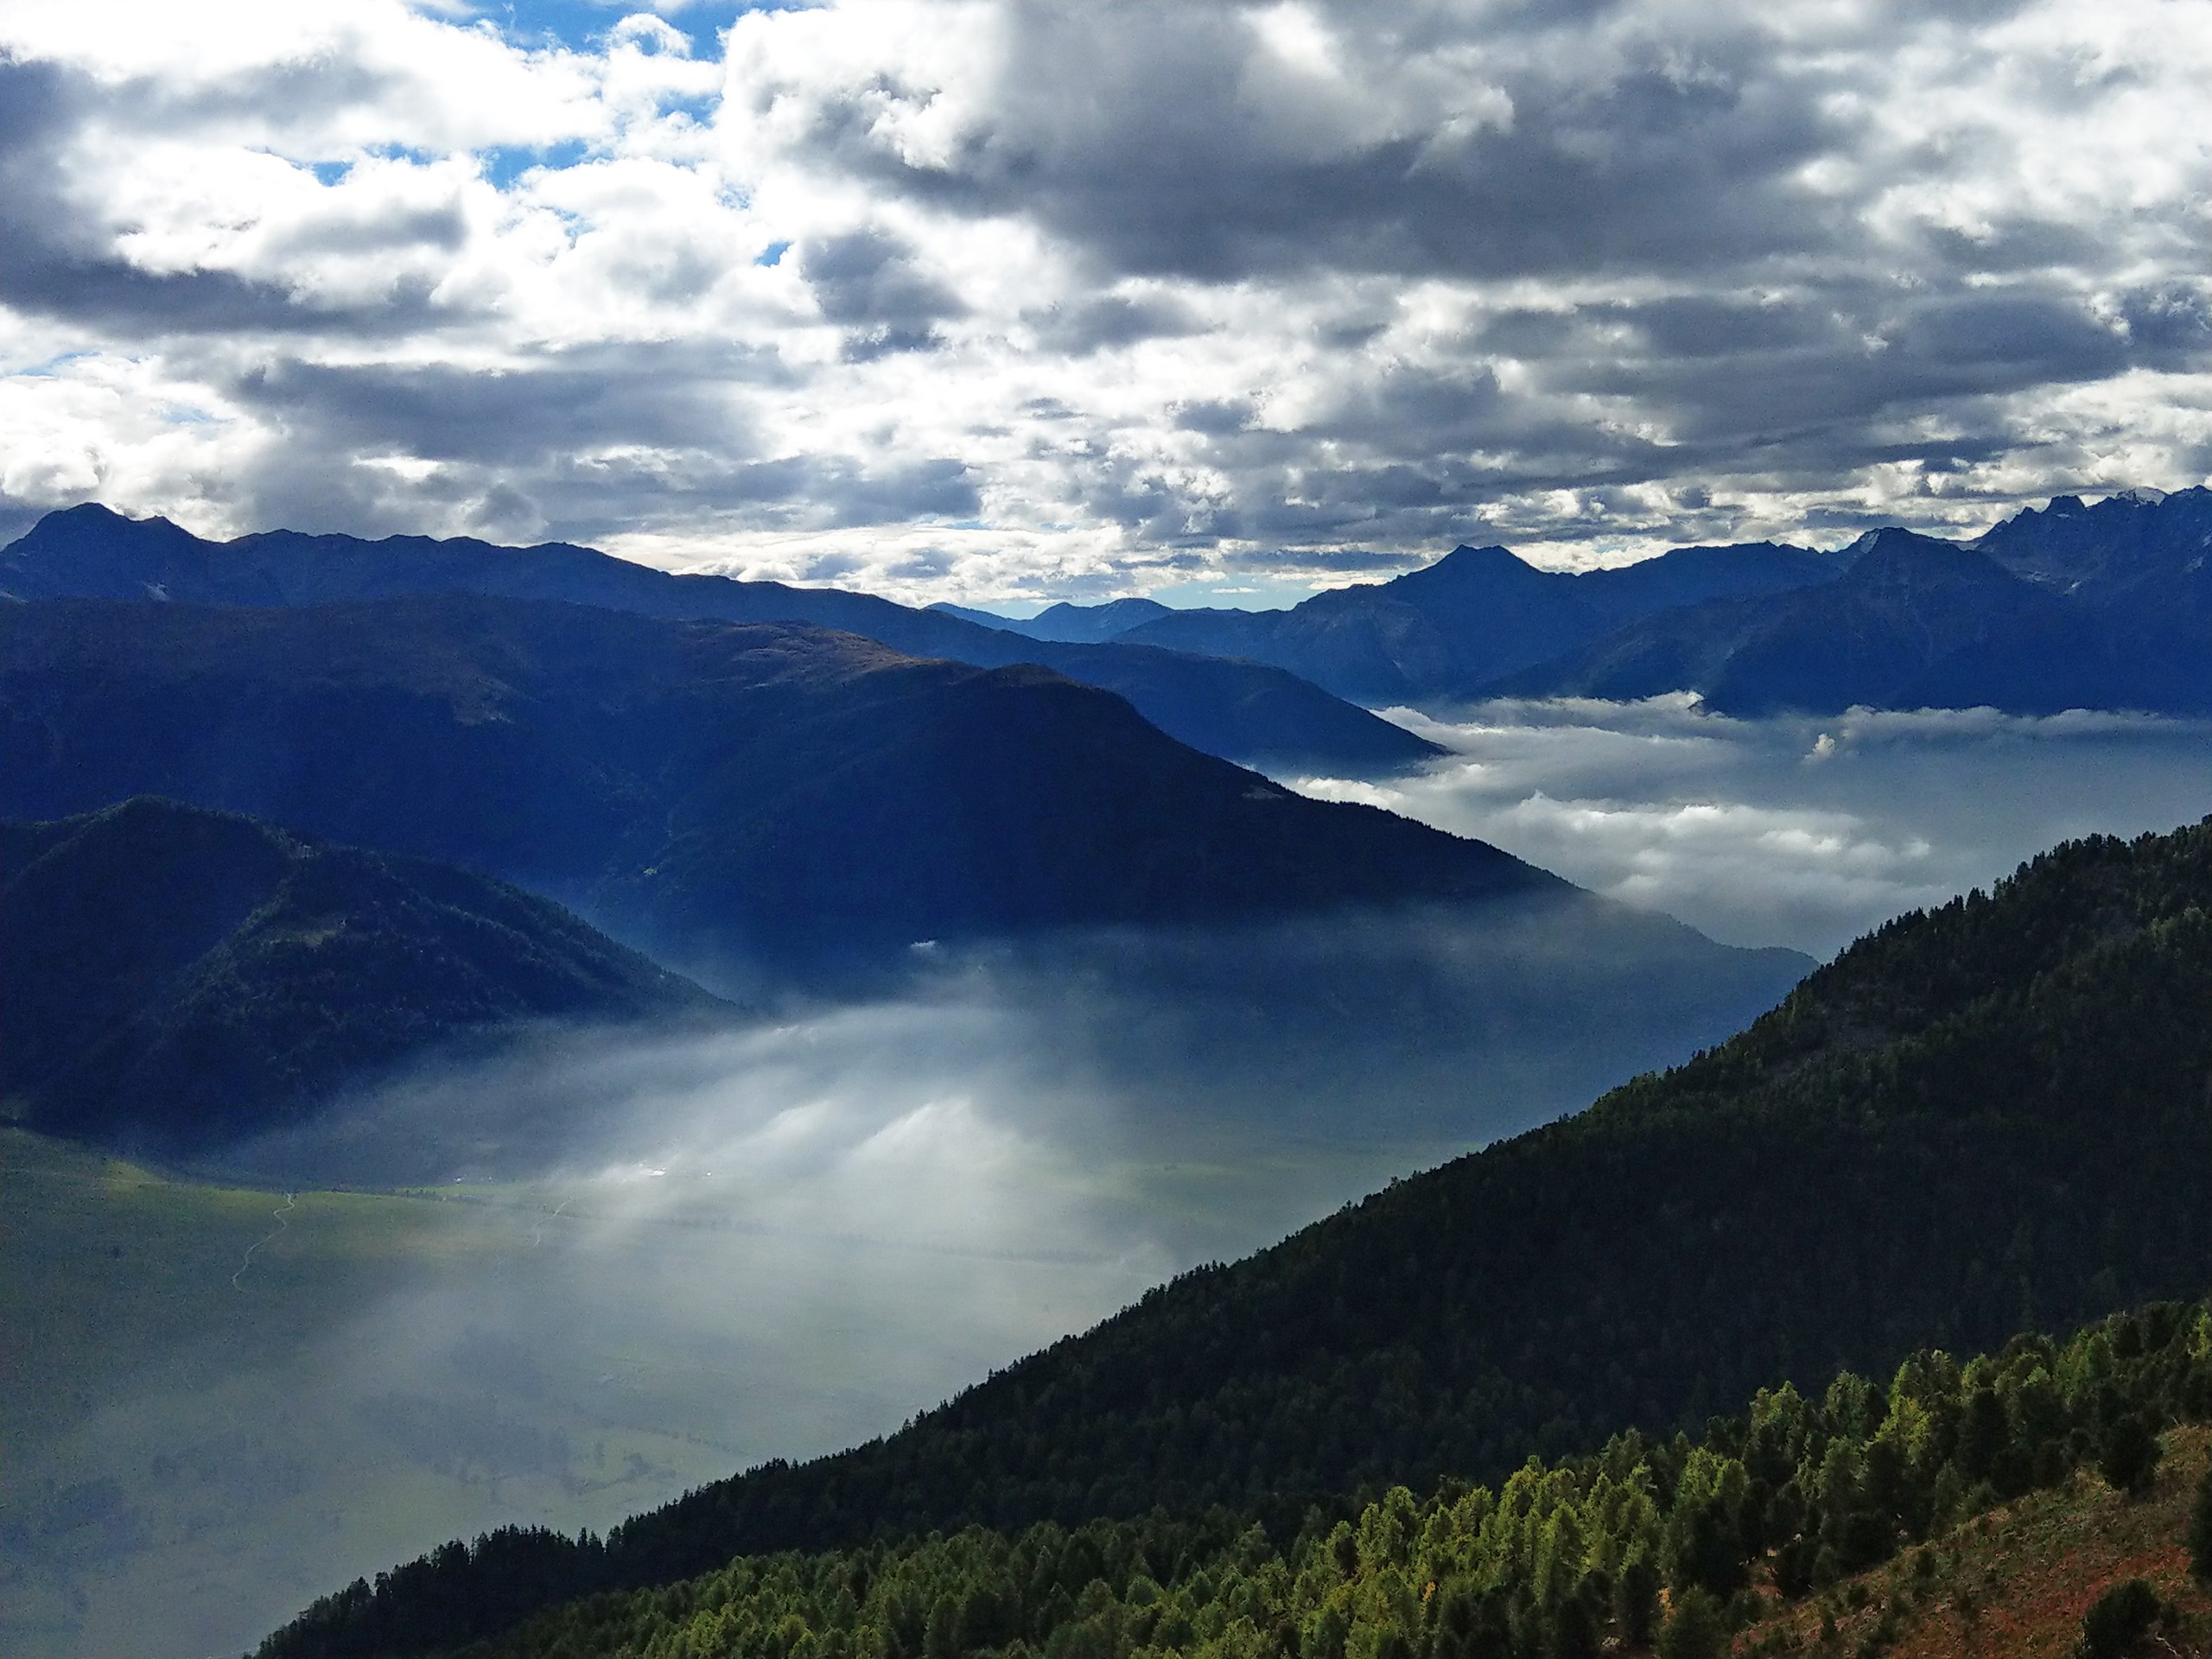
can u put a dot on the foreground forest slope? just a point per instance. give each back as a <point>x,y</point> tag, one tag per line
<point>1882,1514</point>
<point>1992,1116</point>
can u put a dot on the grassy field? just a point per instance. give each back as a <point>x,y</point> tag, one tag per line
<point>118,1278</point>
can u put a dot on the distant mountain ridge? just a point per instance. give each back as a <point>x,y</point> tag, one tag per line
<point>1915,622</point>
<point>2125,543</point>
<point>177,977</point>
<point>2102,606</point>
<point>1448,630</point>
<point>764,790</point>
<point>1073,624</point>
<point>1986,1118</point>
<point>1242,711</point>
<point>2071,606</point>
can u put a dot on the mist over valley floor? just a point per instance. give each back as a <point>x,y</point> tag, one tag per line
<point>607,1265</point>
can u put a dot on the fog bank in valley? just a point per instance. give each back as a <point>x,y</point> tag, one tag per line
<point>1800,832</point>
<point>602,1267</point>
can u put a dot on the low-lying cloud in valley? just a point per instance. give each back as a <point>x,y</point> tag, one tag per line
<point>1798,832</point>
<point>619,1266</point>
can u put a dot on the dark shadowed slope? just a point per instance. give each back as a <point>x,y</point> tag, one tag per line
<point>174,977</point>
<point>1993,1116</point>
<point>712,787</point>
<point>1243,710</point>
<point>1446,630</point>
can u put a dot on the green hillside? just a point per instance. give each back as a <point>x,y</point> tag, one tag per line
<point>1674,1543</point>
<point>1994,1116</point>
<point>176,977</point>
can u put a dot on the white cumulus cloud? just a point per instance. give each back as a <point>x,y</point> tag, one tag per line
<point>988,299</point>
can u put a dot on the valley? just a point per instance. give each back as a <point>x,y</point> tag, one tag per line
<point>408,1203</point>
<point>976,829</point>
<point>2029,1052</point>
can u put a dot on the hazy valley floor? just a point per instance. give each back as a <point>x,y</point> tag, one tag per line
<point>398,1367</point>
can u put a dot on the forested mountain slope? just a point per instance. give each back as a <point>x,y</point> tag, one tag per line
<point>172,978</point>
<point>1995,1115</point>
<point>776,791</point>
<point>1243,710</point>
<point>1684,1540</point>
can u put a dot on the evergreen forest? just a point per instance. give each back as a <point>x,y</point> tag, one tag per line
<point>1676,1541</point>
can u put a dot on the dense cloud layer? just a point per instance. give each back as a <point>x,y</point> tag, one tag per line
<point>1799,831</point>
<point>989,299</point>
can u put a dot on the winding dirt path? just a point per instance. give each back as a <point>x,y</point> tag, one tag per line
<point>538,1232</point>
<point>280,1212</point>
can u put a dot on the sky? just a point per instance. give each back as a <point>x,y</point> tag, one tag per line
<point>999,302</point>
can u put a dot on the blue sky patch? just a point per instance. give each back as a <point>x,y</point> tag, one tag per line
<point>503,163</point>
<point>581,25</point>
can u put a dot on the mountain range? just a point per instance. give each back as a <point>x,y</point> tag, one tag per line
<point>1983,1118</point>
<point>2071,606</point>
<point>1448,630</point>
<point>178,978</point>
<point>1070,623</point>
<point>1243,711</point>
<point>715,789</point>
<point>1914,623</point>
<point>1987,1118</point>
